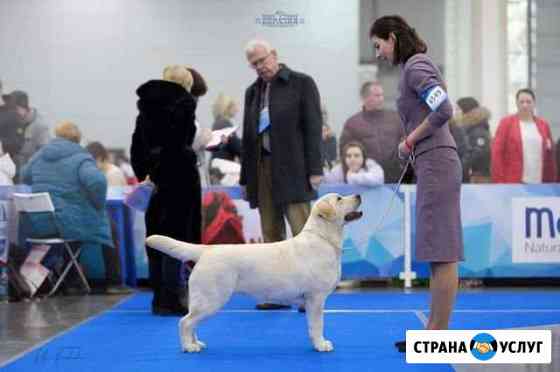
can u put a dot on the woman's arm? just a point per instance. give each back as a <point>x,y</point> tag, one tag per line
<point>374,175</point>
<point>498,149</point>
<point>422,77</point>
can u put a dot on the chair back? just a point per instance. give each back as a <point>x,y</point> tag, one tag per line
<point>33,203</point>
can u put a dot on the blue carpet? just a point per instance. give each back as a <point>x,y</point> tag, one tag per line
<point>129,338</point>
<point>499,320</point>
<point>484,300</point>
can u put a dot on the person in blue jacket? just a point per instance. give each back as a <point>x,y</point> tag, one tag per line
<point>78,190</point>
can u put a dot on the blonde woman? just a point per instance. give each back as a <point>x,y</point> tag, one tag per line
<point>161,143</point>
<point>224,109</point>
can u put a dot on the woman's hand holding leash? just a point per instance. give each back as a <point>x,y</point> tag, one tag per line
<point>405,149</point>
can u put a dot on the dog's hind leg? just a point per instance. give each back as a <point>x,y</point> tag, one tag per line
<point>187,324</point>
<point>314,306</point>
<point>201,306</point>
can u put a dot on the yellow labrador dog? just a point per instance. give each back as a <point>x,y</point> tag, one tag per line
<point>302,270</point>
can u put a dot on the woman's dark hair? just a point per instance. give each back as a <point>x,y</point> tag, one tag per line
<point>407,42</point>
<point>98,151</point>
<point>199,87</point>
<point>467,104</point>
<point>343,157</point>
<point>528,91</point>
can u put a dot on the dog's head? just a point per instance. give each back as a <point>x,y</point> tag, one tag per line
<point>338,209</point>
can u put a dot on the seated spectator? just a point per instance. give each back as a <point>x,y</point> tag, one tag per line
<point>78,190</point>
<point>523,150</point>
<point>33,127</point>
<point>224,110</point>
<point>474,119</point>
<point>378,128</point>
<point>115,176</point>
<point>356,168</point>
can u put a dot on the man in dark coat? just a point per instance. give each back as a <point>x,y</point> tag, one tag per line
<point>11,127</point>
<point>474,119</point>
<point>165,130</point>
<point>281,166</point>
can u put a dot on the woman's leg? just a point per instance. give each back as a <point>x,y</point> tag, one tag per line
<point>443,289</point>
<point>155,257</point>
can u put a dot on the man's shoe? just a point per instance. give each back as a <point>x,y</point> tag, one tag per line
<point>268,306</point>
<point>174,308</point>
<point>118,290</point>
<point>74,291</point>
<point>169,310</point>
<point>301,309</point>
<point>401,346</point>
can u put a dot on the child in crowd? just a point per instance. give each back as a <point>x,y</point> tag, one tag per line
<point>356,168</point>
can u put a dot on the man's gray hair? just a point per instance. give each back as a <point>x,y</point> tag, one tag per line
<point>253,44</point>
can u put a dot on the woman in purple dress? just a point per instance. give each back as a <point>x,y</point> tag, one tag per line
<point>425,110</point>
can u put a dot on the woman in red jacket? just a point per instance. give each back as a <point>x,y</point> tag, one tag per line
<point>523,149</point>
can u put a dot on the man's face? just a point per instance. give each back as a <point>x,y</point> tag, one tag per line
<point>22,112</point>
<point>374,98</point>
<point>265,63</point>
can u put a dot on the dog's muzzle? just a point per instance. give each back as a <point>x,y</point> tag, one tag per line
<point>353,216</point>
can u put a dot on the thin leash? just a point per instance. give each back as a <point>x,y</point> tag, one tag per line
<point>395,190</point>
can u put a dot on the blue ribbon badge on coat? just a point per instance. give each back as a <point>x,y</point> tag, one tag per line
<point>264,120</point>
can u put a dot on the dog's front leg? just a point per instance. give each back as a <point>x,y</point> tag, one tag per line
<point>314,306</point>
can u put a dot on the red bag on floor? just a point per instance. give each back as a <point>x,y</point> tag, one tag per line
<point>221,224</point>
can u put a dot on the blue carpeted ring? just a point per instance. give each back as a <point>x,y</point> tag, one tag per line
<point>129,338</point>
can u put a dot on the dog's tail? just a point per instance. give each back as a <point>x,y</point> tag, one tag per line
<point>175,248</point>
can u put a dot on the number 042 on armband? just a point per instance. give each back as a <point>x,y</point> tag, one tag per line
<point>434,97</point>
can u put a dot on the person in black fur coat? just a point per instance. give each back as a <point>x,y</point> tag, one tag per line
<point>161,150</point>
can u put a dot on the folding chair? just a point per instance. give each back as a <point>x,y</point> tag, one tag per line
<point>42,203</point>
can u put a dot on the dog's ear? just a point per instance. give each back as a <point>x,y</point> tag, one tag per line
<point>326,210</point>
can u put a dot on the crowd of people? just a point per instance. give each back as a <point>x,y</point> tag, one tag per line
<point>284,152</point>
<point>521,150</point>
<point>77,180</point>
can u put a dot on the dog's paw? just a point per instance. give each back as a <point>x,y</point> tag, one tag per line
<point>324,345</point>
<point>194,347</point>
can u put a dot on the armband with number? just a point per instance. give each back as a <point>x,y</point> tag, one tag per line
<point>434,97</point>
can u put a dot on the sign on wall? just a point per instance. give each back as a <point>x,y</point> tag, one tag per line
<point>536,230</point>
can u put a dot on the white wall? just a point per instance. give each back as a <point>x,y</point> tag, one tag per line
<point>546,86</point>
<point>82,60</point>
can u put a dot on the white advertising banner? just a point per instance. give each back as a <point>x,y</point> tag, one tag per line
<point>536,230</point>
